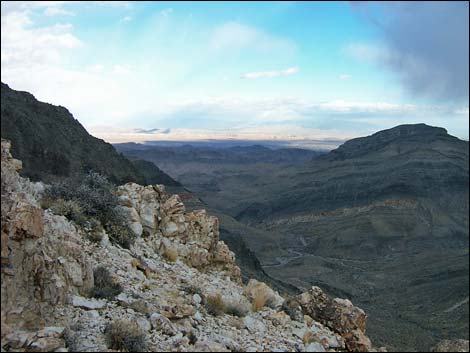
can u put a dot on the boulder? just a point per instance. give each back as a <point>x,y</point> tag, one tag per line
<point>87,304</point>
<point>340,315</point>
<point>255,289</point>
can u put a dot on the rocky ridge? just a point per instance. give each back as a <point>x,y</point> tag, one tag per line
<point>47,265</point>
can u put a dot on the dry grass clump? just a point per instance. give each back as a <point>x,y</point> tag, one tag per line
<point>259,301</point>
<point>105,287</point>
<point>126,336</point>
<point>215,305</point>
<point>171,254</point>
<point>71,209</point>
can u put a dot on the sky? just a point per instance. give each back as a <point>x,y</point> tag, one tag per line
<point>135,71</point>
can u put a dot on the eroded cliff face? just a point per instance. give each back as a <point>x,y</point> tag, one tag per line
<point>167,277</point>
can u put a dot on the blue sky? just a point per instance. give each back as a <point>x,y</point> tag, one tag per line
<point>294,70</point>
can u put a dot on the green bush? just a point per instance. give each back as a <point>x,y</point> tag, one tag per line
<point>96,199</point>
<point>126,335</point>
<point>105,287</point>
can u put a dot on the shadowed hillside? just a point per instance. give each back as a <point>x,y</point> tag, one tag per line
<point>52,144</point>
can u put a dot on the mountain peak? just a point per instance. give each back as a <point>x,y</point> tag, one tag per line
<point>417,133</point>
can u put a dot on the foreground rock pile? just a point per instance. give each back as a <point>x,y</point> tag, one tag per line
<point>179,284</point>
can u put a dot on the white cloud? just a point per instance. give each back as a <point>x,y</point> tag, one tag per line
<point>57,11</point>
<point>344,76</point>
<point>126,4</point>
<point>234,36</point>
<point>126,19</point>
<point>97,68</point>
<point>341,106</point>
<point>166,12</point>
<point>23,46</point>
<point>36,59</point>
<point>121,70</point>
<point>260,74</point>
<point>463,111</point>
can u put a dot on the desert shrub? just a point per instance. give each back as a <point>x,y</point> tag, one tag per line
<point>271,302</point>
<point>105,287</point>
<point>214,305</point>
<point>126,335</point>
<point>121,234</point>
<point>97,200</point>
<point>291,308</point>
<point>71,209</point>
<point>236,309</point>
<point>192,289</point>
<point>258,301</point>
<point>71,339</point>
<point>171,254</point>
<point>192,337</point>
<point>142,306</point>
<point>94,230</point>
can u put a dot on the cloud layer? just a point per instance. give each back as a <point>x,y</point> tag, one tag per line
<point>426,44</point>
<point>260,74</point>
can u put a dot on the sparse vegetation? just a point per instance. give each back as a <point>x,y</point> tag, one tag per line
<point>71,209</point>
<point>258,301</point>
<point>126,335</point>
<point>289,308</point>
<point>192,289</point>
<point>214,305</point>
<point>236,309</point>
<point>270,303</point>
<point>71,339</point>
<point>90,200</point>
<point>105,286</point>
<point>171,254</point>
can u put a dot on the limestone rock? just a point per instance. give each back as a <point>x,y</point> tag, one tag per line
<point>161,323</point>
<point>88,304</point>
<point>338,314</point>
<point>314,347</point>
<point>451,346</point>
<point>255,289</point>
<point>254,325</point>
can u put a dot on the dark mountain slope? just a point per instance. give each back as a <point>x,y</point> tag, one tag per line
<point>382,220</point>
<point>52,144</point>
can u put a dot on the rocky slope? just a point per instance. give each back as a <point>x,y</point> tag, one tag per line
<point>52,144</point>
<point>167,280</point>
<point>382,220</point>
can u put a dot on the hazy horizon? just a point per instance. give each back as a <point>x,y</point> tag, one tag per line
<point>296,71</point>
